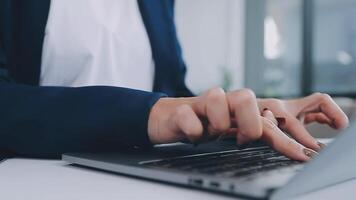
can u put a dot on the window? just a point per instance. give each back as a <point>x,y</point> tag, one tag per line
<point>300,46</point>
<point>282,47</point>
<point>334,46</point>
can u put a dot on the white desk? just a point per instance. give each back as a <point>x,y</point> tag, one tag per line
<point>28,179</point>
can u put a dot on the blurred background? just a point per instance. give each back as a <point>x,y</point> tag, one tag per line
<point>278,48</point>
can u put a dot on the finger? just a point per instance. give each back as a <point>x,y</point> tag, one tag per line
<point>319,102</point>
<point>187,124</point>
<point>297,130</point>
<point>217,111</point>
<point>243,105</point>
<point>284,144</point>
<point>269,115</point>
<point>317,117</point>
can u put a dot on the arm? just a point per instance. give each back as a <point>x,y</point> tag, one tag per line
<point>48,121</point>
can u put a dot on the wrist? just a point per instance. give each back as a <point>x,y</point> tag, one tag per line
<point>153,120</point>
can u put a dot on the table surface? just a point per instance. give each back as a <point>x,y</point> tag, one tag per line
<point>32,179</point>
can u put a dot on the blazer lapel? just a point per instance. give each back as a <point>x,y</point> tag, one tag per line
<point>158,18</point>
<point>29,22</point>
<point>26,23</point>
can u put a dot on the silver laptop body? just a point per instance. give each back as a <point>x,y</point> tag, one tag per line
<point>335,164</point>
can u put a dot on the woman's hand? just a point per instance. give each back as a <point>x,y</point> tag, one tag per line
<point>216,113</point>
<point>294,114</point>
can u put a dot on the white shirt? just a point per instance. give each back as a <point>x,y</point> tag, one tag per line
<point>96,42</point>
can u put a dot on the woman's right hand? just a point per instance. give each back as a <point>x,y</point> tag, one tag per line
<point>216,113</point>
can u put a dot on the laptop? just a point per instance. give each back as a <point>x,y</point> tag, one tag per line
<point>256,172</point>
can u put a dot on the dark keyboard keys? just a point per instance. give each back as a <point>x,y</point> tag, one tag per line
<point>234,163</point>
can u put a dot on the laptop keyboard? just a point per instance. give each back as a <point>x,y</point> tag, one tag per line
<point>234,163</point>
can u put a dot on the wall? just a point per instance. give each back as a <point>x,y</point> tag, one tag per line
<point>212,36</point>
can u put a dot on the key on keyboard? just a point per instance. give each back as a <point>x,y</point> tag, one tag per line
<point>234,163</point>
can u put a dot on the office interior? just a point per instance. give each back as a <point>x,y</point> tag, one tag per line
<point>277,48</point>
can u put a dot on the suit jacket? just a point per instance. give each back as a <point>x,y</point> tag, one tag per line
<point>40,121</point>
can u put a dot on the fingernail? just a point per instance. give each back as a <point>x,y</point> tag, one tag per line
<point>310,153</point>
<point>321,145</point>
<point>281,121</point>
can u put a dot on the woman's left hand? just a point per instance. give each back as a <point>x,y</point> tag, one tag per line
<point>292,115</point>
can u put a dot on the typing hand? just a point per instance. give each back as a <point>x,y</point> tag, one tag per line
<point>216,113</point>
<point>296,113</point>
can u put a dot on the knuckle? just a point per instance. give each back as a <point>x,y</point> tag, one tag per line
<point>317,94</point>
<point>322,96</point>
<point>218,90</point>
<point>326,97</point>
<point>215,95</point>
<point>247,93</point>
<point>243,95</point>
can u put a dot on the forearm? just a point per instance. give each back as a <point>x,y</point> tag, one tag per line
<point>49,121</point>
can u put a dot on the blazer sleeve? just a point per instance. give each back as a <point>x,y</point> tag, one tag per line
<point>45,122</point>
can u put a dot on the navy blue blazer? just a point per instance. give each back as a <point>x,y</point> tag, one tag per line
<point>40,121</point>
